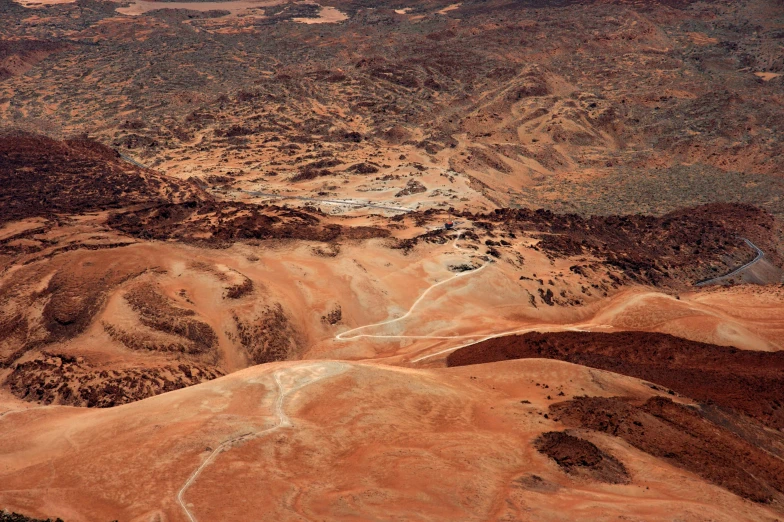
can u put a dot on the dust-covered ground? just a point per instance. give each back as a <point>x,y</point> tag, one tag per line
<point>270,260</point>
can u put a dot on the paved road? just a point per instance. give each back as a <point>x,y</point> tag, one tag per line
<point>131,160</point>
<point>760,255</point>
<point>327,201</point>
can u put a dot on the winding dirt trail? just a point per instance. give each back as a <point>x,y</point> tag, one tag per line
<point>23,410</point>
<point>4,413</point>
<point>353,334</point>
<point>350,335</point>
<point>347,336</point>
<point>287,381</point>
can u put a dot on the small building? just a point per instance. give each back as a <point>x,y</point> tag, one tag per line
<point>449,225</point>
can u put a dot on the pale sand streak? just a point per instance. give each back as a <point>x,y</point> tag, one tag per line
<point>283,421</point>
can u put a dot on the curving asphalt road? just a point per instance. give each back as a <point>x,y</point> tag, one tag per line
<point>760,255</point>
<point>131,160</point>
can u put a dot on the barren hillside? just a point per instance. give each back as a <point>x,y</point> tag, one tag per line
<point>485,260</point>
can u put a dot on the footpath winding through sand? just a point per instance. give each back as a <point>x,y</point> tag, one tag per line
<point>22,410</point>
<point>306,374</point>
<point>4,413</point>
<point>352,335</point>
<point>349,335</point>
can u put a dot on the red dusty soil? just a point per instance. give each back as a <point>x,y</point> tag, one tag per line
<point>682,436</point>
<point>749,382</point>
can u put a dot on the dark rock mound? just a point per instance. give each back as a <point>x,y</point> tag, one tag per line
<point>582,458</point>
<point>60,379</point>
<point>268,337</point>
<point>44,177</point>
<point>685,246</point>
<point>675,250</point>
<point>159,313</point>
<point>218,224</point>
<point>5,516</point>
<point>363,168</point>
<point>412,187</point>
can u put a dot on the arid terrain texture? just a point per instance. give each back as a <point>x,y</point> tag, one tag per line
<point>366,260</point>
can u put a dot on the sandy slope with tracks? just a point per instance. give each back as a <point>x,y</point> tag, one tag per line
<point>341,440</point>
<point>123,307</point>
<point>389,442</point>
<point>394,306</point>
<point>258,326</point>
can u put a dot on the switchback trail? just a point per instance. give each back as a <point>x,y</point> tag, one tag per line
<point>297,377</point>
<point>346,336</point>
<point>350,334</point>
